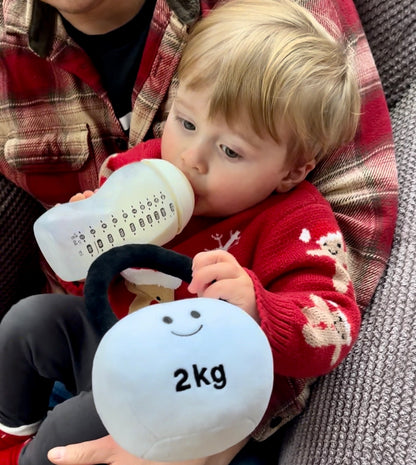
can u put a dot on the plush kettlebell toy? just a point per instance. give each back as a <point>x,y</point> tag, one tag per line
<point>179,380</point>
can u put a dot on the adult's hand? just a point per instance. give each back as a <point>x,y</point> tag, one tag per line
<point>100,451</point>
<point>106,451</point>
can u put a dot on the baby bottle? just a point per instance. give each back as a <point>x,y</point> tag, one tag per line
<point>146,202</point>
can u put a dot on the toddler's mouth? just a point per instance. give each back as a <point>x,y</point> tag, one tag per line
<point>193,187</point>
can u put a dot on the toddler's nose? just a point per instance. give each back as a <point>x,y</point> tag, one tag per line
<point>194,158</point>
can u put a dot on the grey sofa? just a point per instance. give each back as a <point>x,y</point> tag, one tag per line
<point>20,275</point>
<point>364,413</point>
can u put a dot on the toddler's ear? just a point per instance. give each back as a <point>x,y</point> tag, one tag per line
<point>294,176</point>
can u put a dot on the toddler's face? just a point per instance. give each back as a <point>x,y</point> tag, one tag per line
<point>229,167</point>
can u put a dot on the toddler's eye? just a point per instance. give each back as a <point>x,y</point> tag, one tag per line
<point>188,125</point>
<point>230,153</point>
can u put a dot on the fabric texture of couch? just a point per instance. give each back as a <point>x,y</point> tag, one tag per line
<point>365,411</point>
<point>20,273</point>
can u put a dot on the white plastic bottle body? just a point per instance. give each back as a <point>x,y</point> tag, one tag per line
<point>147,202</point>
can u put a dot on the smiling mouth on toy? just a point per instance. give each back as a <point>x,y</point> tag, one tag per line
<point>188,334</point>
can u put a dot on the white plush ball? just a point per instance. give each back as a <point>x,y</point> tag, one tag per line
<point>182,380</point>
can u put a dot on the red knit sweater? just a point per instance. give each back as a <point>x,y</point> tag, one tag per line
<point>292,248</point>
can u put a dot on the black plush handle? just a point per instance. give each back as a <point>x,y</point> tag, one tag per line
<point>111,263</point>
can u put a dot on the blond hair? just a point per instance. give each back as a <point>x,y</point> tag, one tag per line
<point>272,60</point>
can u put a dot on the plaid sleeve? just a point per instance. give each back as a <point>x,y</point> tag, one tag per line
<point>360,180</point>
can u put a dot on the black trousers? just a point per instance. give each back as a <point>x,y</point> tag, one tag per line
<point>43,339</point>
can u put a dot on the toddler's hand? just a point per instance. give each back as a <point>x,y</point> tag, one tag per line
<point>82,195</point>
<point>218,275</point>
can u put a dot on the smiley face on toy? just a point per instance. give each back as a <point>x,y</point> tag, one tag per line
<point>190,332</point>
<point>182,380</point>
